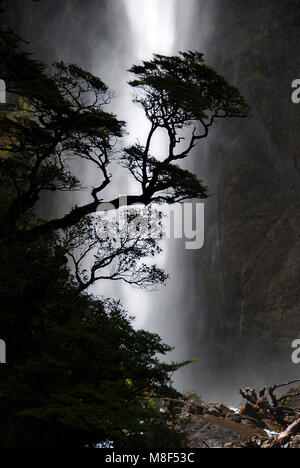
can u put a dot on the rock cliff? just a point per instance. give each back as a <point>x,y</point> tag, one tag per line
<point>248,274</point>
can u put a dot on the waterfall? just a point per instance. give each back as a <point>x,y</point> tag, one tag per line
<point>141,30</point>
<point>164,27</point>
<point>153,24</point>
<point>107,37</point>
<point>111,36</point>
<point>152,29</point>
<point>160,27</point>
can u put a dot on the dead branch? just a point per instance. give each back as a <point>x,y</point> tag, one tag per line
<point>206,444</point>
<point>286,435</point>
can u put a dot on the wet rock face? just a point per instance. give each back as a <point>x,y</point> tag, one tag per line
<point>253,216</point>
<point>259,185</point>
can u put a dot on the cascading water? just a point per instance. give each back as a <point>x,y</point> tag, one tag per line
<point>165,28</point>
<point>192,313</point>
<point>111,36</point>
<point>151,29</point>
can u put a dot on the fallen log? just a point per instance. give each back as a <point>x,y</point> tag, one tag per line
<point>269,411</point>
<point>284,438</point>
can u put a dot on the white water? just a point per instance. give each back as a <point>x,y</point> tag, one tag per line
<point>165,27</point>
<point>152,27</point>
<point>107,38</point>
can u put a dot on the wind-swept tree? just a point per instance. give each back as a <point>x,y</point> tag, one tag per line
<point>78,373</point>
<point>53,118</point>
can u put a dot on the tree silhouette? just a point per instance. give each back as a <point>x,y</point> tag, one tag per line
<point>114,252</point>
<point>78,372</point>
<point>62,117</point>
<point>53,118</point>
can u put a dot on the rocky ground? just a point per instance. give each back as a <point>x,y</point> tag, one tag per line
<point>264,421</point>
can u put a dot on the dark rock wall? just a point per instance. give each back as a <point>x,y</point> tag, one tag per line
<point>248,274</point>
<point>259,186</point>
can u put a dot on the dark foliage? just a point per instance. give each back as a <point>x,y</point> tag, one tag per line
<point>77,372</point>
